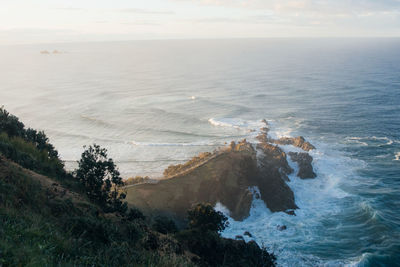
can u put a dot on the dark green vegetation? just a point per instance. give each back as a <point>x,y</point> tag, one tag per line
<point>51,218</point>
<point>101,179</point>
<point>205,217</point>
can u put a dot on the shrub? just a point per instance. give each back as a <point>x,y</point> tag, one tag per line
<point>29,156</point>
<point>134,214</point>
<point>28,147</point>
<point>101,179</point>
<point>175,169</point>
<point>136,180</point>
<point>205,217</point>
<point>11,125</point>
<point>164,225</point>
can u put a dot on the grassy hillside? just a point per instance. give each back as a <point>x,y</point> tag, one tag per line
<point>47,219</point>
<point>45,224</point>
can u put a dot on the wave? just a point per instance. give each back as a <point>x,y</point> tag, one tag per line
<point>86,137</point>
<point>250,126</point>
<point>228,122</point>
<point>205,143</point>
<point>182,133</point>
<point>369,140</point>
<point>321,200</point>
<point>96,121</point>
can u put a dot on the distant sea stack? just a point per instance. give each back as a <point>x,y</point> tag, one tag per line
<point>226,176</point>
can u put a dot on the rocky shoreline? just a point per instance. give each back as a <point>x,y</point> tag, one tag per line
<point>226,176</point>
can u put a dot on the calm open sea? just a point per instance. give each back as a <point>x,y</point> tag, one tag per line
<point>156,103</point>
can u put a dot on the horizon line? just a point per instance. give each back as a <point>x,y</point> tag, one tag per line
<point>203,39</point>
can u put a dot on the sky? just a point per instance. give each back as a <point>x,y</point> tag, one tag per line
<point>49,21</point>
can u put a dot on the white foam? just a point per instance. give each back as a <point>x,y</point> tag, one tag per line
<point>318,199</point>
<point>364,140</point>
<point>235,123</point>
<point>388,140</point>
<point>357,140</point>
<point>248,128</point>
<point>205,143</point>
<point>397,156</point>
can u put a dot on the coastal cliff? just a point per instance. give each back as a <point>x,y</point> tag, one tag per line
<point>49,217</point>
<point>227,176</point>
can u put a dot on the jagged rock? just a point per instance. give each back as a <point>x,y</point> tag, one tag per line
<point>281,227</point>
<point>248,234</point>
<point>295,141</point>
<point>274,158</point>
<point>290,212</point>
<point>263,137</point>
<point>304,161</point>
<point>274,169</point>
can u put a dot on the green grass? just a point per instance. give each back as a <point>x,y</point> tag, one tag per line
<point>38,231</point>
<point>29,156</point>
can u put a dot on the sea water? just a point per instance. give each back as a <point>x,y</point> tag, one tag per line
<point>156,103</point>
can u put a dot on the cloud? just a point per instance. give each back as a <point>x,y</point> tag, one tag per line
<point>146,11</point>
<point>332,7</point>
<point>264,19</point>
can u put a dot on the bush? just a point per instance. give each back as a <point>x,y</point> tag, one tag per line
<point>137,180</point>
<point>205,217</point>
<point>101,179</point>
<point>29,156</point>
<point>11,125</point>
<point>164,225</point>
<point>216,251</point>
<point>175,169</point>
<point>28,147</point>
<point>92,229</point>
<point>134,214</point>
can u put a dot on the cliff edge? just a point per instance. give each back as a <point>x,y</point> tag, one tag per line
<point>227,177</point>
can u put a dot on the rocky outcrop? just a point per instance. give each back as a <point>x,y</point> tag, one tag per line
<point>295,141</point>
<point>304,161</point>
<point>273,170</point>
<point>225,178</point>
<point>273,157</point>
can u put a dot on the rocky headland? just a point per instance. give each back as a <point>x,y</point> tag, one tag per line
<point>227,176</point>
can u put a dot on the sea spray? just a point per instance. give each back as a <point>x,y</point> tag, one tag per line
<point>319,201</point>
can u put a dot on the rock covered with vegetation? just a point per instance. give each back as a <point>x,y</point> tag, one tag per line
<point>226,176</point>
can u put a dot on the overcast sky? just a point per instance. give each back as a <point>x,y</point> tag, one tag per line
<point>41,21</point>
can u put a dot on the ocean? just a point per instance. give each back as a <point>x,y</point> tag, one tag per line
<point>156,103</point>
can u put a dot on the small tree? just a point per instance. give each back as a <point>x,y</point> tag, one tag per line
<point>204,216</point>
<point>10,124</point>
<point>101,179</point>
